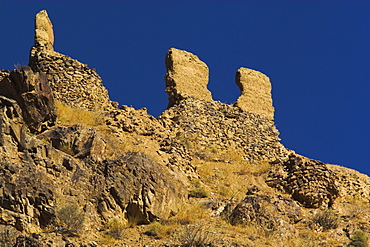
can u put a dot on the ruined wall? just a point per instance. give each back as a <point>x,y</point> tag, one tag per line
<point>210,123</point>
<point>255,95</point>
<point>186,76</point>
<point>72,82</point>
<point>44,34</point>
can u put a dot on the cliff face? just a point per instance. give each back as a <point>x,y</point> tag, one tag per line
<point>128,167</point>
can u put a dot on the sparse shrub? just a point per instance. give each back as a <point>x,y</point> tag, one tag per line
<point>198,193</point>
<point>359,239</point>
<point>115,228</point>
<point>75,115</point>
<point>71,216</point>
<point>196,236</point>
<point>155,229</point>
<point>133,220</point>
<point>326,219</point>
<point>66,148</point>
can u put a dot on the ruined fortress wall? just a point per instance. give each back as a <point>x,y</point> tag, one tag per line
<point>255,94</point>
<point>72,82</point>
<point>214,123</point>
<point>44,34</point>
<point>186,76</point>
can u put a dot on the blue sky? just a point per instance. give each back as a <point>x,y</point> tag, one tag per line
<point>316,53</point>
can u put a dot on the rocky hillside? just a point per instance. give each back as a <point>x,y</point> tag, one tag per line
<point>76,170</point>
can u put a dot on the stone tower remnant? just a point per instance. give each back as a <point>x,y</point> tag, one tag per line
<point>71,81</point>
<point>255,92</point>
<point>186,76</point>
<point>44,35</point>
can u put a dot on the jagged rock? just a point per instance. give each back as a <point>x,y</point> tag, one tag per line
<point>32,92</point>
<point>255,89</point>
<point>12,131</point>
<point>309,182</point>
<point>44,34</point>
<point>6,86</point>
<point>134,182</point>
<point>145,190</point>
<point>186,76</point>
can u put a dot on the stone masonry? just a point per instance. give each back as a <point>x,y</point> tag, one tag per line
<point>72,82</point>
<point>44,35</point>
<point>186,76</point>
<point>255,89</point>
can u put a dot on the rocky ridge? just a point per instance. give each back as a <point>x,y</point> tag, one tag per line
<point>144,169</point>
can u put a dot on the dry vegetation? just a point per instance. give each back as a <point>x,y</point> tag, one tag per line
<point>224,174</point>
<point>74,115</point>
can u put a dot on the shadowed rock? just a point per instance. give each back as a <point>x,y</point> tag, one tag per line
<point>255,95</point>
<point>186,76</point>
<point>44,35</point>
<point>32,93</point>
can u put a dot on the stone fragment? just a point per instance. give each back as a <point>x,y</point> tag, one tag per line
<point>255,95</point>
<point>44,35</point>
<point>187,76</point>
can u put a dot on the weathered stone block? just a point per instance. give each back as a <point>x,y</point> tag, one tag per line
<point>44,35</point>
<point>255,95</point>
<point>186,76</point>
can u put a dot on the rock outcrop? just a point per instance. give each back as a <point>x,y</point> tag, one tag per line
<point>268,211</point>
<point>255,89</point>
<point>33,94</point>
<point>187,76</point>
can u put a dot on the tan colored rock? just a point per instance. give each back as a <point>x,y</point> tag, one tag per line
<point>44,35</point>
<point>186,76</point>
<point>255,95</point>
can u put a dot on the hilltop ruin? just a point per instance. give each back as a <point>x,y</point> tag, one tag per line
<point>200,163</point>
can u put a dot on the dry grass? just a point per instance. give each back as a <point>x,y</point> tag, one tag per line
<point>123,141</point>
<point>227,180</point>
<point>74,115</point>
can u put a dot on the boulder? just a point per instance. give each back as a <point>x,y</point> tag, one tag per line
<point>255,92</point>
<point>268,211</point>
<point>187,76</point>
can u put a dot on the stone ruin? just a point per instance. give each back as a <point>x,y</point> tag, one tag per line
<point>44,34</point>
<point>187,76</point>
<point>75,84</point>
<point>255,89</point>
<point>71,81</point>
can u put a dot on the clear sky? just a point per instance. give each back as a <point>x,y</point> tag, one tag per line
<point>316,53</point>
